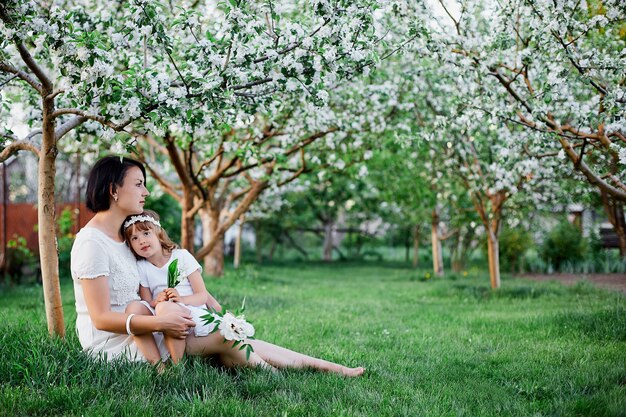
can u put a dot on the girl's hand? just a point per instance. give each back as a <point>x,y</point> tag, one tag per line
<point>162,296</point>
<point>172,295</point>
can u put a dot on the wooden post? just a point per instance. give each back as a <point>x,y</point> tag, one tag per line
<point>436,245</point>
<point>493,253</point>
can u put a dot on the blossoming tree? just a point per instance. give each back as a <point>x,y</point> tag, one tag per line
<point>74,63</point>
<point>556,67</point>
<point>224,167</point>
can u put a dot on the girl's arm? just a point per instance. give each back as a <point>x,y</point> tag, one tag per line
<point>97,298</point>
<point>146,295</point>
<point>200,295</point>
<point>212,302</point>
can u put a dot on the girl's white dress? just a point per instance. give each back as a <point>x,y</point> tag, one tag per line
<point>155,279</point>
<point>94,254</point>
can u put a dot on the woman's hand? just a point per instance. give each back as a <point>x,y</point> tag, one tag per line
<point>175,323</point>
<point>173,295</point>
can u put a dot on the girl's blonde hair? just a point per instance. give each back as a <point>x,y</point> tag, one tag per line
<point>166,243</point>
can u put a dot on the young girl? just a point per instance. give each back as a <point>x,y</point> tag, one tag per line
<point>155,251</point>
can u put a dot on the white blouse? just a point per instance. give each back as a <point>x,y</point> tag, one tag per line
<point>155,278</point>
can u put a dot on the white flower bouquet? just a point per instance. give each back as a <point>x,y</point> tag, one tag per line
<point>232,327</point>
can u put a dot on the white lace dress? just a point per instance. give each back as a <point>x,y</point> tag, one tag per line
<point>94,254</point>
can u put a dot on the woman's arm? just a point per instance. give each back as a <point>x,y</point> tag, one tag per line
<point>98,302</point>
<point>200,294</point>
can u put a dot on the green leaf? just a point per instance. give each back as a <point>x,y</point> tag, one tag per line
<point>547,97</point>
<point>172,274</point>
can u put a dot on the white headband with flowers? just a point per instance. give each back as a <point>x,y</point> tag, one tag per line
<point>136,219</point>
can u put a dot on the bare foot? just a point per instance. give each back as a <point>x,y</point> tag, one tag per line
<point>352,372</point>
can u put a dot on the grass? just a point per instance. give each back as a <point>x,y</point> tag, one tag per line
<point>436,347</point>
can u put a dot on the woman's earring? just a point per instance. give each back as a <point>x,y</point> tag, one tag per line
<point>115,197</point>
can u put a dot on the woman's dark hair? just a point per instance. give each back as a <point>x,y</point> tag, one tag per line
<point>108,171</point>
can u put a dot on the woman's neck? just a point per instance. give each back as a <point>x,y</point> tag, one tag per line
<point>108,222</point>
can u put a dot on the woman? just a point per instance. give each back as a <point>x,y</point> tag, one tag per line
<point>106,282</point>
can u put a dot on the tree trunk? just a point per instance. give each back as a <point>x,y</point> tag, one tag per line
<point>242,207</point>
<point>48,251</point>
<point>436,244</point>
<point>416,238</point>
<point>77,196</point>
<point>407,245</point>
<point>458,253</point>
<point>457,264</point>
<point>214,260</point>
<point>493,251</point>
<point>294,244</point>
<point>257,242</point>
<point>270,255</point>
<point>237,257</point>
<point>5,203</point>
<point>328,240</point>
<point>621,235</point>
<point>187,225</point>
<point>614,209</point>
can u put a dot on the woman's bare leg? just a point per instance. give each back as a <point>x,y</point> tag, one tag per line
<point>145,342</point>
<point>176,347</point>
<point>230,356</point>
<point>281,357</point>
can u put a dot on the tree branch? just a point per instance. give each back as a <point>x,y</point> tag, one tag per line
<point>4,67</point>
<point>101,119</point>
<point>15,147</point>
<point>30,63</point>
<point>309,140</point>
<point>242,207</point>
<point>67,126</point>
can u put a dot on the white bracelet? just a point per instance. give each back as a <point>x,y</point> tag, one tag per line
<point>130,316</point>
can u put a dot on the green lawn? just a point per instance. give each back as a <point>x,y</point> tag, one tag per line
<point>437,348</point>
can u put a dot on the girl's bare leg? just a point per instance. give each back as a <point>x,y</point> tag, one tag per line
<point>145,342</point>
<point>213,344</point>
<point>281,357</point>
<point>176,347</point>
